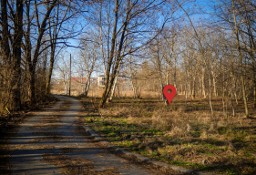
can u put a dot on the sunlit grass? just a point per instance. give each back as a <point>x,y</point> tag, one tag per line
<point>193,139</point>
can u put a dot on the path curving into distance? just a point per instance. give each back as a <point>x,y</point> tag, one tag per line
<point>53,141</point>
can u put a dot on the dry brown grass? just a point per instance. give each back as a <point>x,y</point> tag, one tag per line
<point>76,165</point>
<point>189,135</point>
<point>2,111</point>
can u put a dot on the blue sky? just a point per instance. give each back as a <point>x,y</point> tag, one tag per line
<point>203,11</point>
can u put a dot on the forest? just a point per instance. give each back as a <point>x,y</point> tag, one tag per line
<point>206,49</point>
<point>205,54</point>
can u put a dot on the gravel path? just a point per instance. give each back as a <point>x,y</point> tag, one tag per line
<point>53,141</point>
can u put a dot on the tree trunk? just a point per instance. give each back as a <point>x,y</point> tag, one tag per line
<point>49,77</point>
<point>175,72</point>
<point>241,61</point>
<point>223,102</point>
<point>114,84</point>
<point>118,58</point>
<point>88,83</point>
<point>111,57</point>
<point>32,95</point>
<point>254,89</point>
<point>113,88</point>
<point>210,89</point>
<point>15,100</point>
<point>5,33</point>
<point>203,84</point>
<point>194,88</point>
<point>214,84</point>
<point>86,88</point>
<point>186,88</point>
<point>134,89</point>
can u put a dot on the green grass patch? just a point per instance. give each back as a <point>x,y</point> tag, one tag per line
<point>179,136</point>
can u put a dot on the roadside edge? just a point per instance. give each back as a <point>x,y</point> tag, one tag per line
<point>142,159</point>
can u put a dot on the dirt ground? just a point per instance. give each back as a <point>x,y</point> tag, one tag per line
<point>52,141</point>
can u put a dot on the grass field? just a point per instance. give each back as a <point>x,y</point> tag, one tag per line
<point>182,134</point>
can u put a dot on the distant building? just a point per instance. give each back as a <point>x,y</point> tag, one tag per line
<point>61,86</point>
<point>78,85</point>
<point>78,80</point>
<point>101,81</point>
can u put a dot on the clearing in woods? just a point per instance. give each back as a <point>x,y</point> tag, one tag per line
<point>181,134</point>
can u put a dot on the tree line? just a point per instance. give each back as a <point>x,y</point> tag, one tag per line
<point>152,42</point>
<point>155,43</point>
<point>31,34</point>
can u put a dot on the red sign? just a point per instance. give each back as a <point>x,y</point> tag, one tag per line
<point>169,92</point>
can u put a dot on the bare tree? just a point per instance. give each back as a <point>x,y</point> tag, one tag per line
<point>11,42</point>
<point>124,27</point>
<point>32,55</point>
<point>88,60</point>
<point>59,31</point>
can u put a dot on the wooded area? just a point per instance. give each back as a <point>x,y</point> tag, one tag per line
<point>101,66</point>
<point>32,33</point>
<point>205,54</point>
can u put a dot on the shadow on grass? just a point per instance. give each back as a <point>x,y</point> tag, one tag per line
<point>133,138</point>
<point>227,168</point>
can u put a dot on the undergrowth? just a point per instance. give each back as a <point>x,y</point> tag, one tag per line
<point>192,139</point>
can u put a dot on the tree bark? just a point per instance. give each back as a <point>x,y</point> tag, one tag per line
<point>111,57</point>
<point>5,33</point>
<point>15,103</point>
<point>240,60</point>
<point>41,29</point>
<point>254,92</point>
<point>203,84</point>
<point>49,77</point>
<point>119,57</point>
<point>113,88</point>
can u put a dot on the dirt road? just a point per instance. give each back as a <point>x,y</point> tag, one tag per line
<point>53,141</point>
